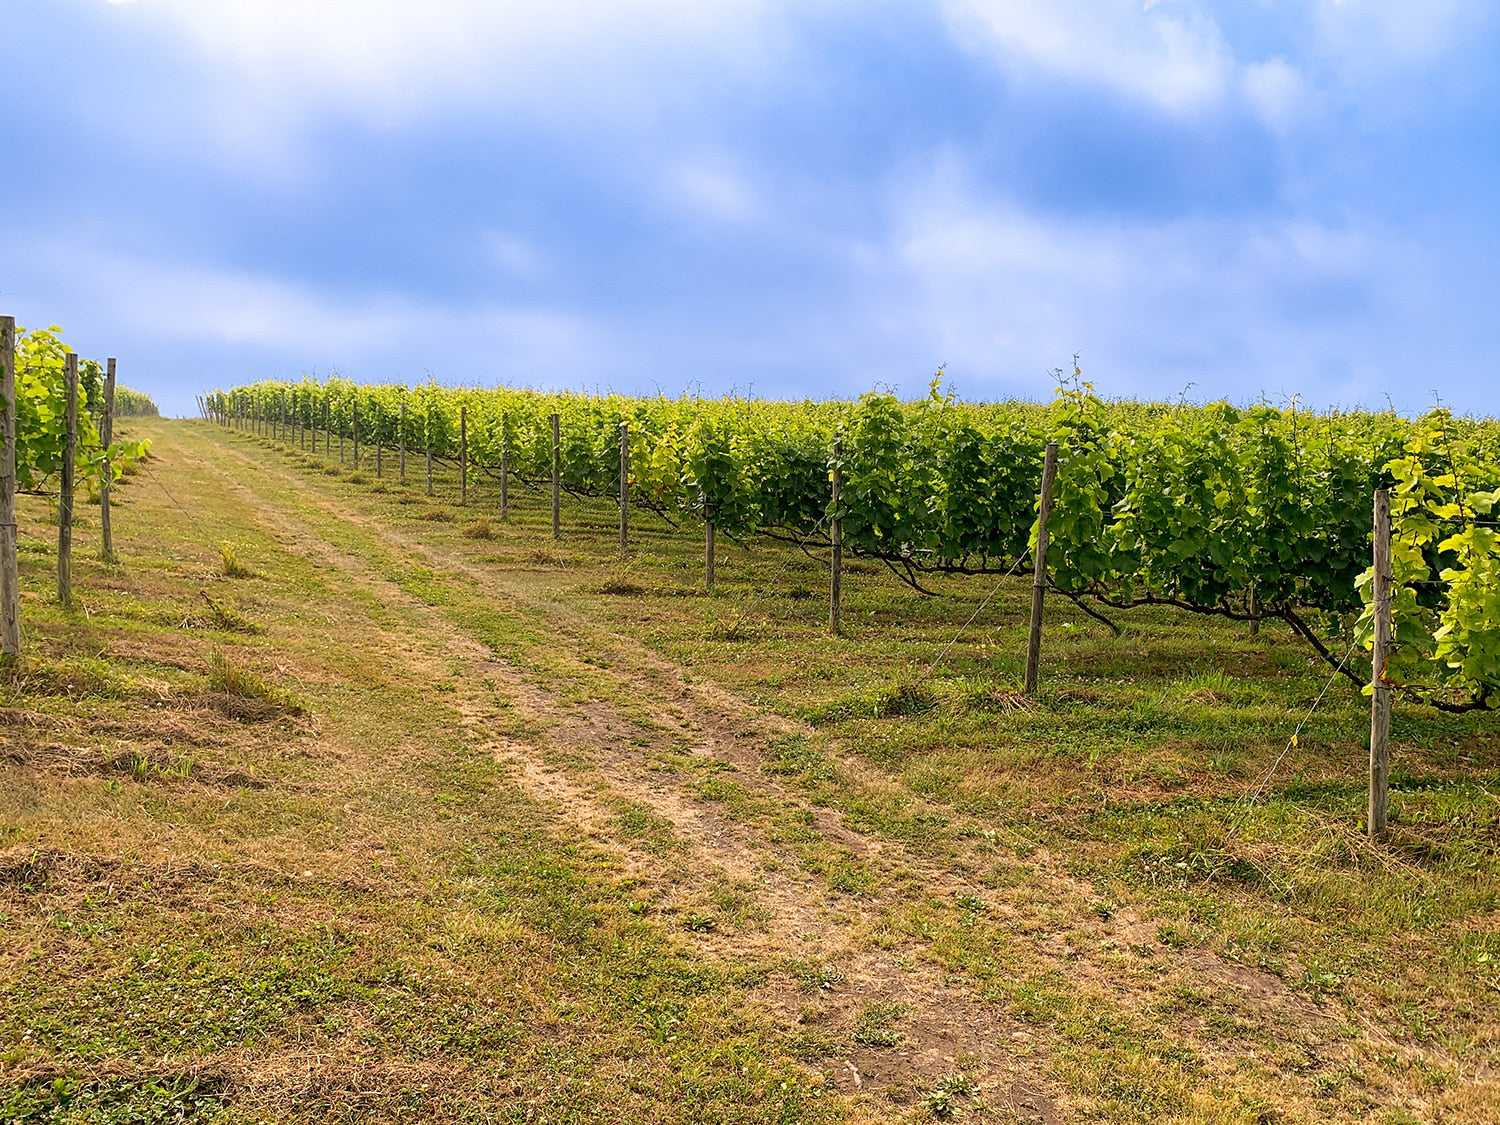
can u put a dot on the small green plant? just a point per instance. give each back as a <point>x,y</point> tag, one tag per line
<point>226,617</point>
<point>874,1026</point>
<point>226,676</point>
<point>699,923</point>
<point>906,697</point>
<point>622,585</point>
<point>819,978</point>
<point>233,568</point>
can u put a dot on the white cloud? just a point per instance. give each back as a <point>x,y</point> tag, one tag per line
<point>1369,38</point>
<point>713,191</point>
<point>391,57</point>
<point>1277,92</point>
<point>1239,307</point>
<point>186,306</point>
<point>1168,54</point>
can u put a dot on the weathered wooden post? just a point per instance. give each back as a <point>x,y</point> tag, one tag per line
<point>624,489</point>
<point>106,466</point>
<point>429,449</point>
<point>708,553</point>
<point>401,439</point>
<point>836,538</point>
<point>354,427</point>
<point>1380,690</point>
<point>1039,573</point>
<point>463,454</point>
<point>556,478</point>
<point>378,446</point>
<point>65,488</point>
<point>504,468</point>
<point>10,577</point>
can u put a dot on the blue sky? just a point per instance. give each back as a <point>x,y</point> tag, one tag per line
<point>1256,197</point>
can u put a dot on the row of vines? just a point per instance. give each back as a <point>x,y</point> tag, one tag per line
<point>1251,513</point>
<point>41,413</point>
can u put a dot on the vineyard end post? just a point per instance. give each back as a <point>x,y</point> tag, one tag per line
<point>65,488</point>
<point>106,467</point>
<point>504,470</point>
<point>401,441</point>
<point>463,454</point>
<point>1380,693</point>
<point>624,489</point>
<point>354,428</point>
<point>1039,573</point>
<point>556,478</point>
<point>836,539</point>
<point>10,579</point>
<point>379,466</point>
<point>708,555</point>
<point>1254,610</point>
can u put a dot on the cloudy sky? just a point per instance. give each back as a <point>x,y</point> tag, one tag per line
<point>809,197</point>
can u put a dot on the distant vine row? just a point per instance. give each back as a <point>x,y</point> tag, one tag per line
<point>1248,513</point>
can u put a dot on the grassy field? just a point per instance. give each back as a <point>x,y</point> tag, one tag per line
<point>333,801</point>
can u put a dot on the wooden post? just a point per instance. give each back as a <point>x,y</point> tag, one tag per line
<point>354,427</point>
<point>377,442</point>
<point>301,426</point>
<point>624,489</point>
<point>10,577</point>
<point>65,488</point>
<point>1254,609</point>
<point>106,466</point>
<point>1039,574</point>
<point>556,478</point>
<point>836,538</point>
<point>279,434</point>
<point>504,469</point>
<point>708,555</point>
<point>401,441</point>
<point>1380,694</point>
<point>463,454</point>
<point>429,451</point>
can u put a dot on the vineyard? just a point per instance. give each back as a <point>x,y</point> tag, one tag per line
<point>1249,514</point>
<point>425,754</point>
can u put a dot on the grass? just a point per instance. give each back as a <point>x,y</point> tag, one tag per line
<point>233,568</point>
<point>1084,868</point>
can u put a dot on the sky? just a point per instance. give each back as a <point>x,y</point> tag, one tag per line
<point>1242,199</point>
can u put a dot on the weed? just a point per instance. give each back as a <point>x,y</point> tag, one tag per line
<point>438,515</point>
<point>818,978</point>
<point>874,1026</point>
<point>230,678</point>
<point>700,923</point>
<point>226,617</point>
<point>479,529</point>
<point>233,568</point>
<point>622,585</point>
<point>74,677</point>
<point>905,697</point>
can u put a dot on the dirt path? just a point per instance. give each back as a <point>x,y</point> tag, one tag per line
<point>666,771</point>
<point>738,893</point>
